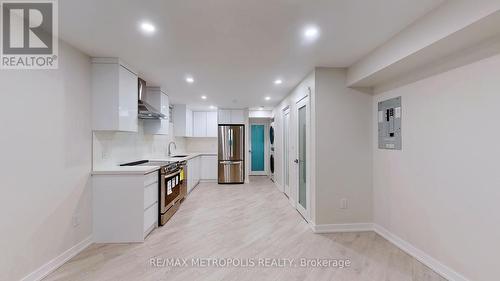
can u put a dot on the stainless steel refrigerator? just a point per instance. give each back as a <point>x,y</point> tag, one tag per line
<point>231,154</point>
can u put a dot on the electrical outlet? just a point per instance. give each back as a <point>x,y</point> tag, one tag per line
<point>76,220</point>
<point>343,204</point>
<point>104,154</point>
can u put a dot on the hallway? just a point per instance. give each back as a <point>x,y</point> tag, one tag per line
<point>244,222</point>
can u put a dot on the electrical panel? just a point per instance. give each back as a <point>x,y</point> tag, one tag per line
<point>389,124</point>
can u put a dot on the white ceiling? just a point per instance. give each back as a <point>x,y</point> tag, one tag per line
<point>234,49</point>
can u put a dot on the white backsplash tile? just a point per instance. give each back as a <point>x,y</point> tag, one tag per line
<point>114,148</point>
<point>201,144</point>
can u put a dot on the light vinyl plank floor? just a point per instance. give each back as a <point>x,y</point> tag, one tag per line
<point>245,222</point>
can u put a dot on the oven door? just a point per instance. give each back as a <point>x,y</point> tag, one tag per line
<point>169,190</point>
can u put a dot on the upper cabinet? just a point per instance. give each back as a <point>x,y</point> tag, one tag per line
<point>224,116</point>
<point>114,96</point>
<point>212,125</point>
<point>204,124</point>
<point>231,116</point>
<point>188,123</point>
<point>157,98</point>
<point>183,121</point>
<point>199,124</point>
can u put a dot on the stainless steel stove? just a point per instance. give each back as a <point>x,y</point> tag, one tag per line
<point>172,184</point>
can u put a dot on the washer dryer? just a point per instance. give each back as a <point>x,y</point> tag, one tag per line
<point>271,151</point>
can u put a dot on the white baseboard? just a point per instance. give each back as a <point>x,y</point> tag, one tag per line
<point>419,255</point>
<point>405,246</point>
<point>332,228</point>
<point>55,263</point>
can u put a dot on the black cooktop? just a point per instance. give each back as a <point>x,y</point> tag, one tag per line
<point>149,163</point>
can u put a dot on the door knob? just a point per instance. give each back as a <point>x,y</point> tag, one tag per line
<point>296,161</point>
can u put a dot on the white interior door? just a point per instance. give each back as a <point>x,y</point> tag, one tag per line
<point>286,152</point>
<point>302,157</point>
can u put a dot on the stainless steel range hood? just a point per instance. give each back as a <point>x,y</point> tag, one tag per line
<point>147,111</point>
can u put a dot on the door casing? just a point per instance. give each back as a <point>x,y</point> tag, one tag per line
<point>305,212</point>
<point>286,160</point>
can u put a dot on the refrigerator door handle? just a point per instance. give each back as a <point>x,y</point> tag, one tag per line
<point>231,142</point>
<point>230,162</point>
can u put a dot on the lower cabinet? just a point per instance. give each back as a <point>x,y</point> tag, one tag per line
<point>208,167</point>
<point>201,168</point>
<point>125,207</point>
<point>193,175</point>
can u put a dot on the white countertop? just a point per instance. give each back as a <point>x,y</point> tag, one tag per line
<point>125,170</point>
<point>188,156</point>
<point>138,170</point>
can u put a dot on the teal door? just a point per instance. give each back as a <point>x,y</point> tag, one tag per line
<point>257,148</point>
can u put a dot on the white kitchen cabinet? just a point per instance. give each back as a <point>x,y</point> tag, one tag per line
<point>158,99</point>
<point>201,168</point>
<point>125,207</point>
<point>237,116</point>
<point>189,123</point>
<point>114,96</point>
<point>205,124</point>
<point>183,121</point>
<point>224,116</point>
<point>212,125</point>
<point>199,124</point>
<point>231,116</point>
<point>208,167</point>
<point>193,173</point>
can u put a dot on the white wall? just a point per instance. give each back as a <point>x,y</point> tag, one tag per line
<point>340,147</point>
<point>46,161</point>
<point>260,113</point>
<point>441,192</point>
<point>343,150</point>
<point>447,19</point>
<point>114,148</point>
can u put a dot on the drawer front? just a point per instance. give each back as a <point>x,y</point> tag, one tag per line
<point>150,178</point>
<point>150,217</point>
<point>150,195</point>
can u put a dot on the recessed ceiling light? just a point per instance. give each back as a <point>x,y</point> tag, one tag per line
<point>190,79</point>
<point>148,27</point>
<point>268,98</point>
<point>311,33</point>
<point>203,97</point>
<point>278,81</point>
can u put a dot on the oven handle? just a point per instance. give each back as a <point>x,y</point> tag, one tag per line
<point>173,174</point>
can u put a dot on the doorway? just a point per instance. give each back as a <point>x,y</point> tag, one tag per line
<point>302,157</point>
<point>258,149</point>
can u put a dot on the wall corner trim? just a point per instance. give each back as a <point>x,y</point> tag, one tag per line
<point>419,255</point>
<point>58,261</point>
